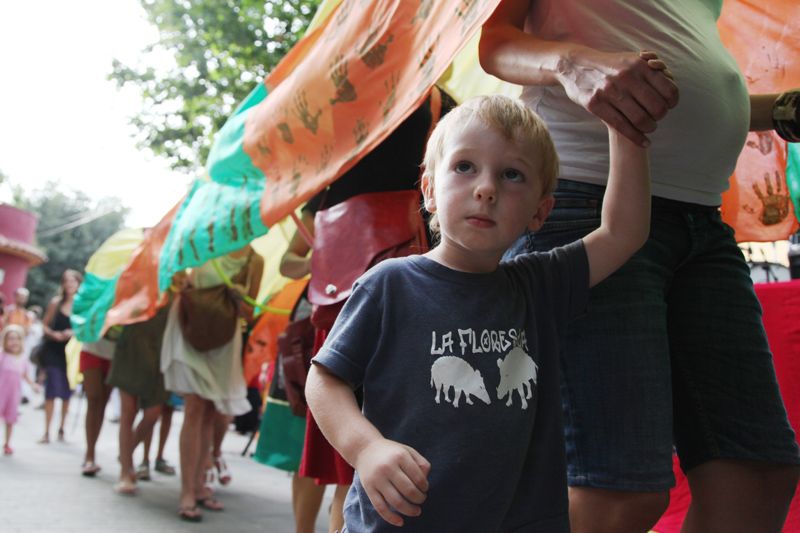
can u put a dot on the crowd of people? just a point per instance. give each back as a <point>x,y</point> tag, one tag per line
<point>528,351</point>
<point>131,362</point>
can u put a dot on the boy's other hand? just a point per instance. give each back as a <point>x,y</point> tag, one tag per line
<point>395,477</point>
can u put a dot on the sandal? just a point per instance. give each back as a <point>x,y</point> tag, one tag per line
<point>209,480</point>
<point>126,488</point>
<point>223,474</point>
<point>143,472</point>
<point>211,503</point>
<point>89,469</point>
<point>44,440</point>
<point>164,467</point>
<point>190,514</point>
<point>7,450</point>
<point>61,435</point>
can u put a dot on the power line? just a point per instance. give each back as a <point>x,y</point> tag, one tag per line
<point>75,223</point>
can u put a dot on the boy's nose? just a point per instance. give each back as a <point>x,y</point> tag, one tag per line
<point>485,190</point>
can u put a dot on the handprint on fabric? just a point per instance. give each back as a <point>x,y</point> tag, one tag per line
<point>774,203</point>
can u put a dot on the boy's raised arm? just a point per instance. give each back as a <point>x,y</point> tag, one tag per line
<point>625,219</point>
<point>394,476</point>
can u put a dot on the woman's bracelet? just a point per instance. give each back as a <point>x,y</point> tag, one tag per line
<point>785,118</point>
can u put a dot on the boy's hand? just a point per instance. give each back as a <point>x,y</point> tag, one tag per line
<point>395,477</point>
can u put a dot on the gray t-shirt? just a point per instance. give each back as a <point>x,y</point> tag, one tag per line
<point>464,368</point>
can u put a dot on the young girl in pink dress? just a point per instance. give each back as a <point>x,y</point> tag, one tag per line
<point>13,369</point>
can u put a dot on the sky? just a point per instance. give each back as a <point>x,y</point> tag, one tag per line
<point>61,118</point>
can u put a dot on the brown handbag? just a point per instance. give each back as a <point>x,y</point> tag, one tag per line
<point>209,316</point>
<point>296,348</point>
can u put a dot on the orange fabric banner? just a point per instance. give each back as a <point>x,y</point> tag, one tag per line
<point>137,298</point>
<point>345,86</point>
<point>764,37</point>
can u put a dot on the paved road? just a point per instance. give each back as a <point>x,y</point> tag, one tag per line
<point>41,488</point>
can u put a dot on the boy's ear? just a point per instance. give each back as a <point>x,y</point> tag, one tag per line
<point>545,206</point>
<point>427,193</point>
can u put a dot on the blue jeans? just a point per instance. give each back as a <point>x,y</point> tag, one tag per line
<point>672,350</point>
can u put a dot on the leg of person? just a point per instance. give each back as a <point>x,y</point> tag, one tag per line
<point>127,475</point>
<point>144,433</point>
<point>7,446</point>
<point>203,495</point>
<point>731,428</point>
<point>739,497</point>
<point>163,434</point>
<point>147,441</point>
<point>221,424</point>
<point>336,522</point>
<point>97,396</point>
<point>48,418</point>
<point>191,453</point>
<point>616,386</point>
<point>63,420</point>
<point>306,501</point>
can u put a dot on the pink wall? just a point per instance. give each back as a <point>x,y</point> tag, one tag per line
<point>20,226</point>
<point>16,274</point>
<point>17,224</point>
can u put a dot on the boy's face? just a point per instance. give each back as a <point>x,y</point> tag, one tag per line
<point>486,191</point>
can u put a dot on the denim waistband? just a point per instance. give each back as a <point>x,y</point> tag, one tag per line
<point>570,193</point>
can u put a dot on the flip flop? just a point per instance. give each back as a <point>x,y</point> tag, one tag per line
<point>90,469</point>
<point>164,467</point>
<point>190,514</point>
<point>126,488</point>
<point>143,472</point>
<point>211,503</point>
<point>223,474</point>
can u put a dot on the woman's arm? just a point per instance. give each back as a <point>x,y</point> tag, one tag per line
<point>295,262</point>
<point>49,314</point>
<point>628,90</point>
<point>394,476</point>
<point>256,272</point>
<point>761,106</point>
<point>253,286</point>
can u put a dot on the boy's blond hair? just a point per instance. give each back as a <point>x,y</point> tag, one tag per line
<point>507,116</point>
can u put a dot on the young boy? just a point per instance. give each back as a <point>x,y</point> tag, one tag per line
<point>458,353</point>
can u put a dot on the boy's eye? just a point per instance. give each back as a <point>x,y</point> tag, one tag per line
<point>513,175</point>
<point>462,167</point>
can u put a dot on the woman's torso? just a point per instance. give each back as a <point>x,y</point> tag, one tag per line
<point>696,146</point>
<point>54,354</point>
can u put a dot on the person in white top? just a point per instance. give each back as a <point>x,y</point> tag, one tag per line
<point>672,340</point>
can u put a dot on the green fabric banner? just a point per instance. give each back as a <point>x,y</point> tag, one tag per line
<point>221,215</point>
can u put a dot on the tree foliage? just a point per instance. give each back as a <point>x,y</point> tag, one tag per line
<point>71,227</point>
<point>221,48</point>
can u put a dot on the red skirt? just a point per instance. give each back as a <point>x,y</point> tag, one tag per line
<point>320,460</point>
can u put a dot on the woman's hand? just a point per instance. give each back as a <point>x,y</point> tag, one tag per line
<point>628,91</point>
